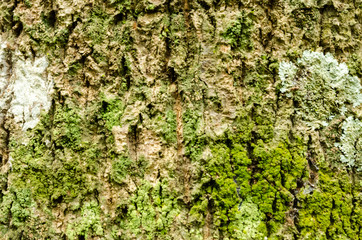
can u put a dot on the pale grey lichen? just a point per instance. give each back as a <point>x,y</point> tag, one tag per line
<point>323,89</point>
<point>25,88</point>
<point>351,143</point>
<point>320,86</point>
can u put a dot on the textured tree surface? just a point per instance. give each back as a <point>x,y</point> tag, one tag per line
<point>170,119</point>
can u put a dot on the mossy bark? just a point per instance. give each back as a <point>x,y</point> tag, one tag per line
<point>167,122</point>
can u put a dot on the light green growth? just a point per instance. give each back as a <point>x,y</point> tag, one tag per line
<point>331,211</point>
<point>97,26</point>
<point>59,174</point>
<point>321,86</point>
<point>279,167</point>
<point>250,223</point>
<point>49,37</point>
<point>193,137</point>
<point>88,225</point>
<point>124,6</point>
<point>111,112</point>
<point>351,143</point>
<point>74,68</point>
<point>27,3</point>
<point>168,126</point>
<point>123,166</point>
<point>150,212</point>
<point>67,131</point>
<point>17,205</point>
<point>239,33</point>
<point>225,183</point>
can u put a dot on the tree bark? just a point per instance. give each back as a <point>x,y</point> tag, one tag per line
<point>160,119</point>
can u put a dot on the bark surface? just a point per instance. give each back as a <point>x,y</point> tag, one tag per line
<point>170,119</point>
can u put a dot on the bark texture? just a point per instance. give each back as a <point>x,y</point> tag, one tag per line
<point>180,119</point>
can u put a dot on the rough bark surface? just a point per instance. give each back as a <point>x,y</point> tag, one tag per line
<point>170,119</point>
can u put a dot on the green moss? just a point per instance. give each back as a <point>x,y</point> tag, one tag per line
<point>96,27</point>
<point>121,167</point>
<point>224,184</point>
<point>67,131</point>
<point>27,3</point>
<point>278,170</point>
<point>194,140</point>
<point>329,211</point>
<point>21,207</point>
<point>263,174</point>
<point>111,112</point>
<point>124,6</point>
<point>88,225</point>
<point>150,212</point>
<point>74,68</point>
<point>56,163</point>
<point>168,126</point>
<point>239,33</point>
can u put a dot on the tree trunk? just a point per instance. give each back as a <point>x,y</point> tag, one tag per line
<point>160,119</point>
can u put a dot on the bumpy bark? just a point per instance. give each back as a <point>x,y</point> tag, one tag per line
<point>177,119</point>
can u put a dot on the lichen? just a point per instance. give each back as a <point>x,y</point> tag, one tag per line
<point>322,87</point>
<point>323,90</point>
<point>351,144</point>
<point>18,74</point>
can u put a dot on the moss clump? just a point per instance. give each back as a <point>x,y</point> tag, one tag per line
<point>263,174</point>
<point>16,205</point>
<point>168,126</point>
<point>239,33</point>
<point>278,169</point>
<point>57,162</point>
<point>67,131</point>
<point>89,224</point>
<point>330,211</point>
<point>96,27</point>
<point>150,212</point>
<point>224,184</point>
<point>111,112</point>
<point>194,139</point>
<point>123,166</point>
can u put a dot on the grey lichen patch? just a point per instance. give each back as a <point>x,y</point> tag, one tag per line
<point>24,87</point>
<point>322,89</point>
<point>351,143</point>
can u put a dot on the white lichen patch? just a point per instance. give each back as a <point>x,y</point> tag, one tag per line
<point>351,143</point>
<point>25,88</point>
<point>321,86</point>
<point>323,89</point>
